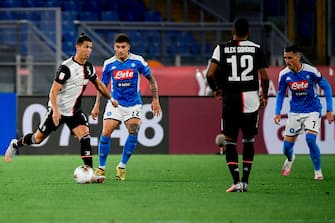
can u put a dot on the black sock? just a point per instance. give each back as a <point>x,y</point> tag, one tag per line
<point>248,158</point>
<point>232,161</point>
<point>25,140</point>
<point>86,151</point>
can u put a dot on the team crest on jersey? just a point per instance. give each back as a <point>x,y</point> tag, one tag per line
<point>299,85</point>
<point>123,74</point>
<point>61,76</point>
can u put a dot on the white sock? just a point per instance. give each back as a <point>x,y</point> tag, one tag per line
<point>122,165</point>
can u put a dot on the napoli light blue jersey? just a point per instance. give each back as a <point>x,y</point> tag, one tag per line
<point>125,78</point>
<point>302,90</point>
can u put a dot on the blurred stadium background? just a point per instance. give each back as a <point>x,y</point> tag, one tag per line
<point>37,34</point>
<point>177,38</point>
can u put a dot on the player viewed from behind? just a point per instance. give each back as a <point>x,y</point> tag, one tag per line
<point>305,108</point>
<point>64,104</point>
<point>123,71</point>
<point>241,61</point>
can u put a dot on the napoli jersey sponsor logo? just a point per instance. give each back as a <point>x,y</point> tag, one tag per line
<point>299,88</point>
<point>123,74</point>
<point>299,85</point>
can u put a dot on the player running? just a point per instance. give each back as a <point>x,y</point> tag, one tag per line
<point>123,70</point>
<point>305,108</point>
<point>240,61</point>
<point>64,104</point>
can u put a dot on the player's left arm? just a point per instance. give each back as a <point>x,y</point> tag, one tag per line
<point>323,83</point>
<point>101,87</point>
<point>155,105</point>
<point>264,85</point>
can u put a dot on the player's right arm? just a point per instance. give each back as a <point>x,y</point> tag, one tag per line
<point>211,80</point>
<point>56,115</point>
<point>62,75</point>
<point>211,71</point>
<point>280,98</point>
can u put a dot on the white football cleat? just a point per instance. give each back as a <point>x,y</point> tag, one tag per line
<point>235,188</point>
<point>286,169</point>
<point>11,150</point>
<point>318,175</point>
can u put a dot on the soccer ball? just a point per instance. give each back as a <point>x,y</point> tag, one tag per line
<point>83,174</point>
<point>219,140</point>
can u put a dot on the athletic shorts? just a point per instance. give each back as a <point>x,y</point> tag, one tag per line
<point>240,112</point>
<point>298,123</point>
<point>231,123</point>
<point>121,113</point>
<point>47,125</point>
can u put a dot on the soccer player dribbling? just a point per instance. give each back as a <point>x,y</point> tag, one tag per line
<point>64,104</point>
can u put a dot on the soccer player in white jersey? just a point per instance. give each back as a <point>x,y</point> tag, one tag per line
<point>123,70</point>
<point>64,104</point>
<point>304,116</point>
<point>242,64</point>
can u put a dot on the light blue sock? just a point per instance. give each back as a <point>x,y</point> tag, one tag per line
<point>288,149</point>
<point>103,149</point>
<point>129,148</point>
<point>314,150</point>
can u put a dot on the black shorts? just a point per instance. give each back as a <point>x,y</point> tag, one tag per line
<point>47,125</point>
<point>233,120</point>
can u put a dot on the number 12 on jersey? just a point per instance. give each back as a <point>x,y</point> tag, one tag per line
<point>246,66</point>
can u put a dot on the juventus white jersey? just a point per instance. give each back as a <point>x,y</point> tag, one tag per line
<point>74,78</point>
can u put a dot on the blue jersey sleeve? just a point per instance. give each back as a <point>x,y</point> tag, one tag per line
<point>323,83</point>
<point>280,95</point>
<point>144,69</point>
<point>106,75</point>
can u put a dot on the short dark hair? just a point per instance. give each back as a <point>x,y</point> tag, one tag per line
<point>82,38</point>
<point>241,27</point>
<point>121,38</point>
<point>292,48</point>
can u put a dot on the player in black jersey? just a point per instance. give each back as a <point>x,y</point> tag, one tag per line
<point>241,62</point>
<point>64,104</point>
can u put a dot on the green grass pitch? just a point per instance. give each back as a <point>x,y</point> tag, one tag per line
<point>165,189</point>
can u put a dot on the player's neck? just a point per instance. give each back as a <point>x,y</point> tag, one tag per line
<point>123,58</point>
<point>240,38</point>
<point>79,60</point>
<point>297,68</point>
